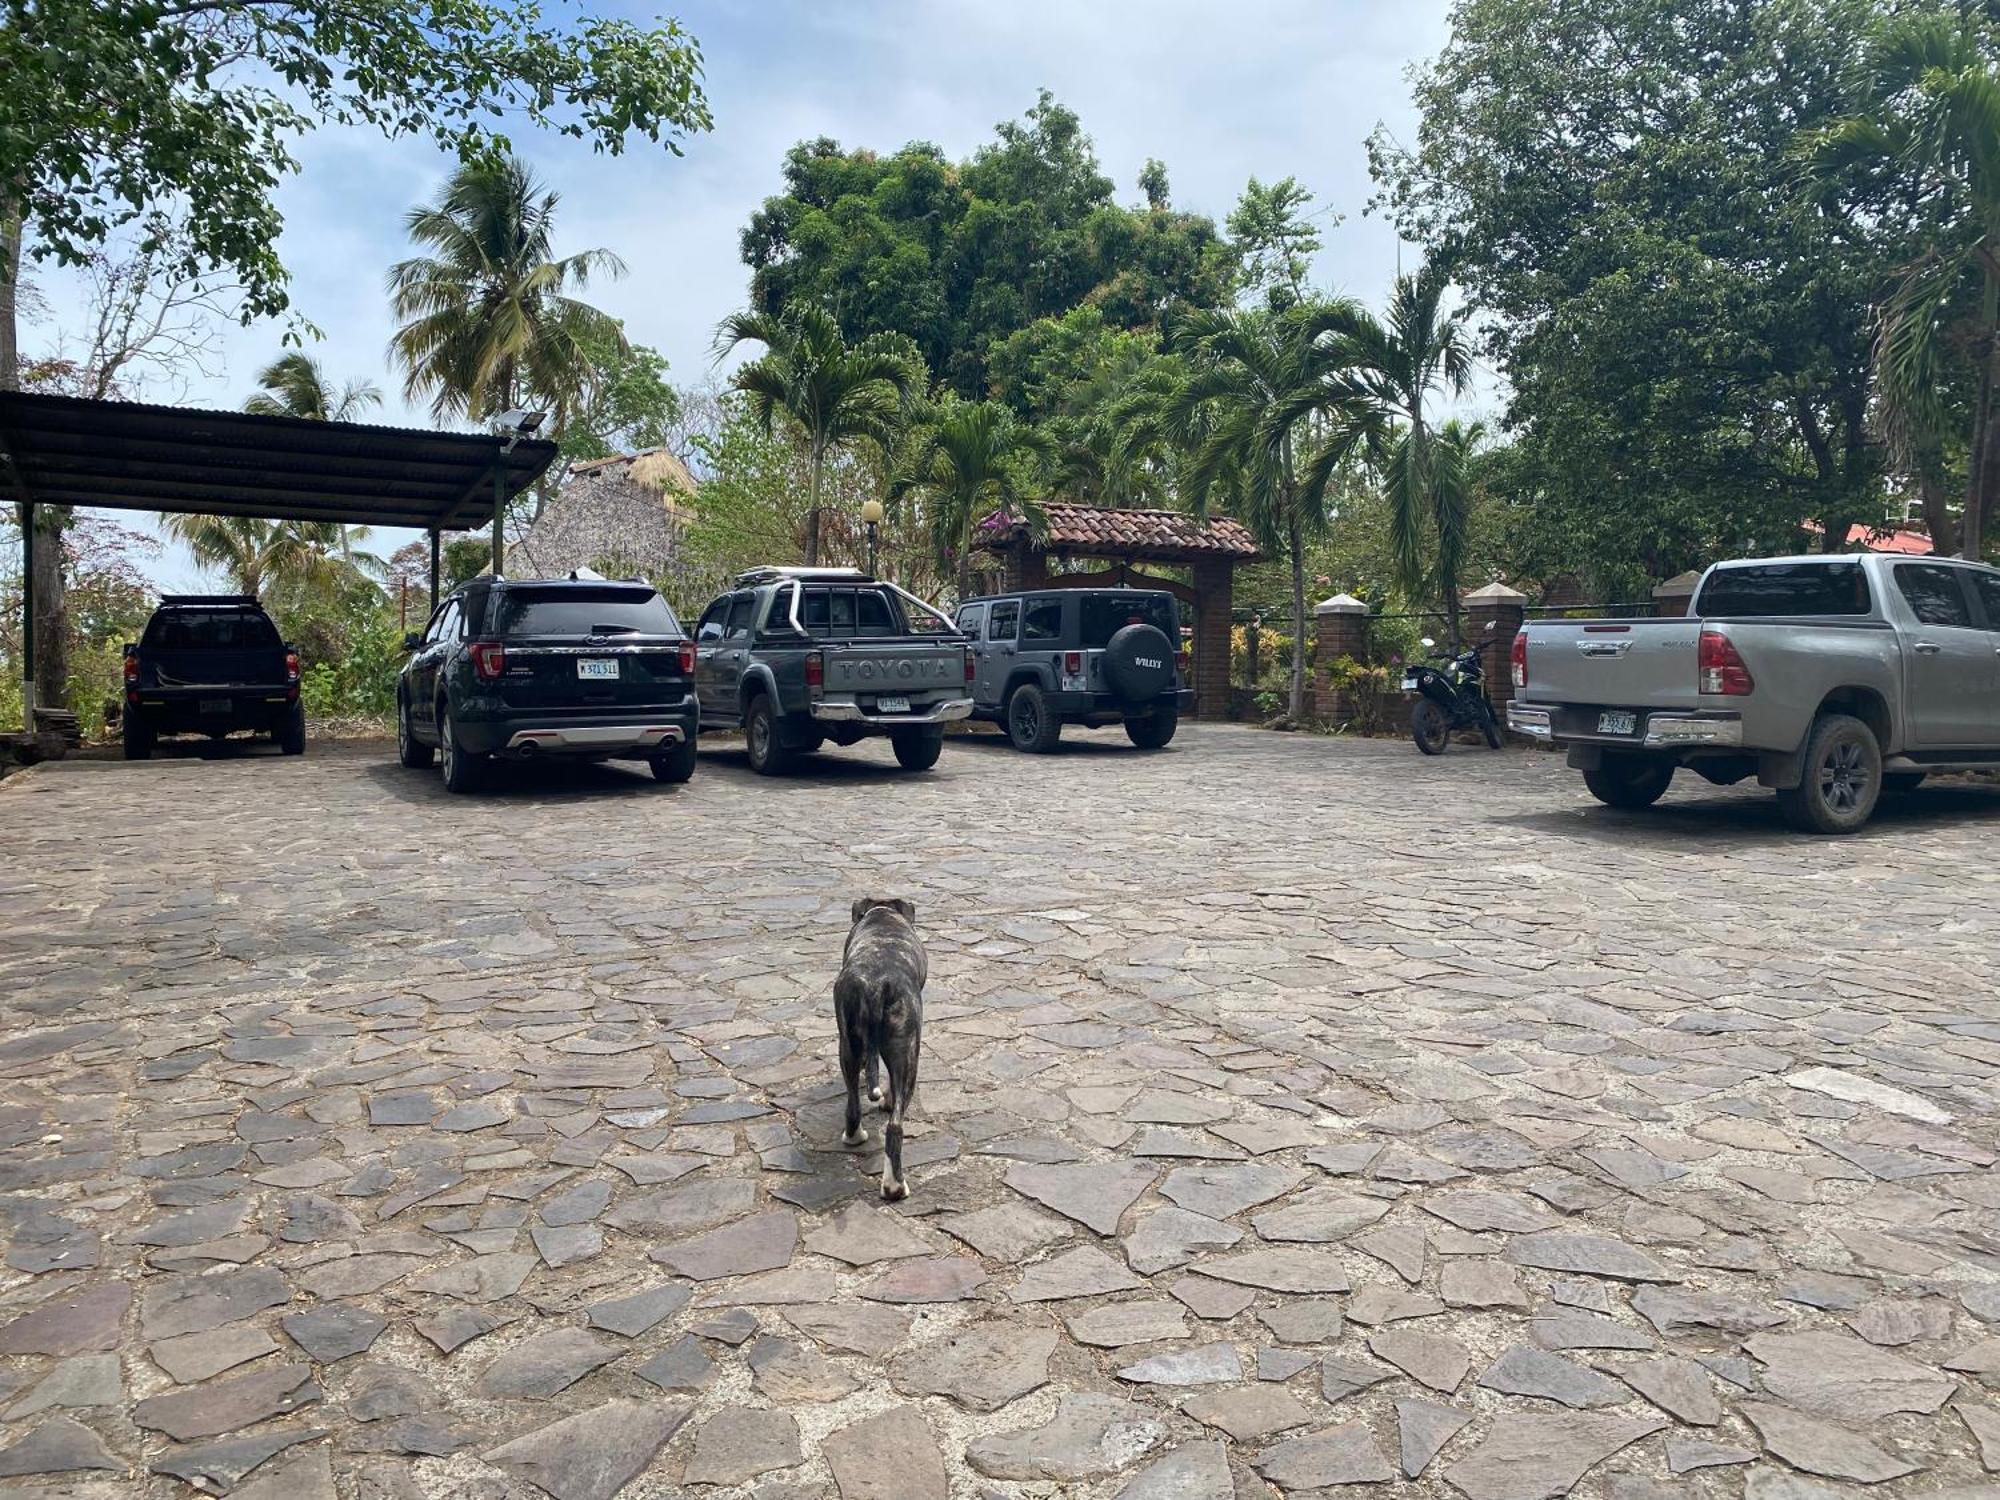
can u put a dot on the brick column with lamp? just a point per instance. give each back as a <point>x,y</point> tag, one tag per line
<point>1215,585</point>
<point>1340,628</point>
<point>1492,619</point>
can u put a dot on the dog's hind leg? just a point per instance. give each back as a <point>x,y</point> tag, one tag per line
<point>901,1059</point>
<point>850,1072</point>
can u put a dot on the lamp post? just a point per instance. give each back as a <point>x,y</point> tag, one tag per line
<point>871,515</point>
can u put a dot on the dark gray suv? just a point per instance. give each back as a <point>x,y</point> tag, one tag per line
<point>1049,657</point>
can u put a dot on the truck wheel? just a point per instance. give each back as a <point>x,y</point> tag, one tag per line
<point>1843,778</point>
<point>410,751</point>
<point>138,738</point>
<point>462,769</point>
<point>1156,730</point>
<point>917,749</point>
<point>1629,781</point>
<point>1430,728</point>
<point>292,733</point>
<point>1030,725</point>
<point>676,765</point>
<point>768,755</point>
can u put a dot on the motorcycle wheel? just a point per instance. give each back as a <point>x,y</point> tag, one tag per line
<point>1430,728</point>
<point>1488,725</point>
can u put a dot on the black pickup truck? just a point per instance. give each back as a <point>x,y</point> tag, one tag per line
<point>210,664</point>
<point>799,656</point>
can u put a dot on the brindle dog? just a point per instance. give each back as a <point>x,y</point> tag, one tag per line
<point>878,1002</point>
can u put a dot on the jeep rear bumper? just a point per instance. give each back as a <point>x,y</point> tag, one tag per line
<point>1109,707</point>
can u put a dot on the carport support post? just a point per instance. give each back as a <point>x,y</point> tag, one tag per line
<point>28,616</point>
<point>434,570</point>
<point>499,514</point>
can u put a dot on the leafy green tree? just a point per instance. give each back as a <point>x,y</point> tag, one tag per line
<point>838,394</point>
<point>489,319</point>
<point>1926,142</point>
<point>1276,238</point>
<point>1684,341</point>
<point>294,385</point>
<point>256,556</point>
<point>959,255</point>
<point>962,461</point>
<point>627,406</point>
<point>114,111</point>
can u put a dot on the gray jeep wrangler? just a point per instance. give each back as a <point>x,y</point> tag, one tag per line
<point>1049,657</point>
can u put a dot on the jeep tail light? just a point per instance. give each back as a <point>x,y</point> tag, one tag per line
<point>489,660</point>
<point>291,666</point>
<point>1519,655</point>
<point>971,667</point>
<point>1073,663</point>
<point>131,665</point>
<point>687,658</point>
<point>1719,668</point>
<point>1183,660</point>
<point>815,670</point>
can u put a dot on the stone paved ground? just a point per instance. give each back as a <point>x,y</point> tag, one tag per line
<point>1294,1114</point>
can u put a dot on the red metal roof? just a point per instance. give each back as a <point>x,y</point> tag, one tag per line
<point>1098,531</point>
<point>1889,539</point>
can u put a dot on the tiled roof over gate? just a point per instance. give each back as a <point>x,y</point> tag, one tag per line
<point>1102,532</point>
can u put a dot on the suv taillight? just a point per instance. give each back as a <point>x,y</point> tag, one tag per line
<point>1719,669</point>
<point>687,658</point>
<point>1519,656</point>
<point>489,660</point>
<point>971,667</point>
<point>291,666</point>
<point>815,670</point>
<point>1073,663</point>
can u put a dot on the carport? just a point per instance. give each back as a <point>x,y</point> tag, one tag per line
<point>121,455</point>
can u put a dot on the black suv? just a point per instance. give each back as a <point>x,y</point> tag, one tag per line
<point>209,664</point>
<point>1052,657</point>
<point>584,668</point>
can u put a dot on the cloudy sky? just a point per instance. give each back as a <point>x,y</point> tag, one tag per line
<point>1219,93</point>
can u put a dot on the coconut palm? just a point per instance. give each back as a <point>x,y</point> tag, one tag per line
<point>837,393</point>
<point>294,385</point>
<point>274,556</point>
<point>1930,129</point>
<point>964,460</point>
<point>490,322</point>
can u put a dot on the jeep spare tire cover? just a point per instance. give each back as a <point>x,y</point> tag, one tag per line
<point>1139,663</point>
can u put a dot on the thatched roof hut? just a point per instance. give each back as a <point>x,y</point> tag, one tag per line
<point>622,516</point>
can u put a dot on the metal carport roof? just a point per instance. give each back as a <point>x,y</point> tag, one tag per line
<point>66,450</point>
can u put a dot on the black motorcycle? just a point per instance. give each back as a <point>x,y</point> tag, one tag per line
<point>1450,697</point>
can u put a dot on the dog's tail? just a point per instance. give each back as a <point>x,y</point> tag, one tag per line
<point>888,998</point>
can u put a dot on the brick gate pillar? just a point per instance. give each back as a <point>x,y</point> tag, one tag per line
<point>1340,628</point>
<point>1215,587</point>
<point>1493,617</point>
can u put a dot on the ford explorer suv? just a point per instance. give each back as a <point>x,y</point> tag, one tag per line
<point>800,656</point>
<point>1092,657</point>
<point>211,664</point>
<point>580,669</point>
<point>1831,679</point>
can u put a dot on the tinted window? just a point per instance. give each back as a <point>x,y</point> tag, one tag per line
<point>741,608</point>
<point>1004,621</point>
<point>841,612</point>
<point>1043,621</point>
<point>1933,593</point>
<point>1989,595</point>
<point>1836,588</point>
<point>580,611</point>
<point>970,618</point>
<point>212,630</point>
<point>710,628</point>
<point>1104,615</point>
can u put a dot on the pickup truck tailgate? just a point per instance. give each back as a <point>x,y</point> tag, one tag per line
<point>911,669</point>
<point>1614,663</point>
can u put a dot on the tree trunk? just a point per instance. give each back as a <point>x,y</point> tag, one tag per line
<point>1452,609</point>
<point>1938,519</point>
<point>1296,544</point>
<point>51,613</point>
<point>10,280</point>
<point>1981,474</point>
<point>812,511</point>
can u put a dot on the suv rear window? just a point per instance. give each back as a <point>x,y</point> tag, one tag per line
<point>575,611</point>
<point>1104,615</point>
<point>211,630</point>
<point>839,612</point>
<point>1829,588</point>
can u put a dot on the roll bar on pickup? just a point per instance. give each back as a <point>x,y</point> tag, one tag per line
<point>848,575</point>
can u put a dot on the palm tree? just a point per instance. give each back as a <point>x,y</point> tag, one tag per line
<point>258,556</point>
<point>1385,369</point>
<point>837,393</point>
<point>1930,128</point>
<point>1241,415</point>
<point>965,460</point>
<point>490,324</point>
<point>294,385</point>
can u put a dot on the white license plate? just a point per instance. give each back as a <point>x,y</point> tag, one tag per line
<point>212,705</point>
<point>1409,684</point>
<point>598,670</point>
<point>892,705</point>
<point>1617,723</point>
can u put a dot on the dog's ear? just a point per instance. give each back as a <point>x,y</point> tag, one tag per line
<point>860,908</point>
<point>907,908</point>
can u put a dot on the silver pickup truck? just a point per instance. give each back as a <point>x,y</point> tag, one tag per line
<point>1829,678</point>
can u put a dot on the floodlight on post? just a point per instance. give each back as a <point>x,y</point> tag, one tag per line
<point>513,425</point>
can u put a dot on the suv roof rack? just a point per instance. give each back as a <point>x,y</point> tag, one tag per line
<point>807,575</point>
<point>220,601</point>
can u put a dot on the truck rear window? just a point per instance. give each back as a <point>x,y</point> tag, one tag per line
<point>211,630</point>
<point>1104,615</point>
<point>570,611</point>
<point>1828,588</point>
<point>850,612</point>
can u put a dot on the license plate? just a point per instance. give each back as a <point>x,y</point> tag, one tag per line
<point>892,705</point>
<point>1617,723</point>
<point>598,670</point>
<point>212,705</point>
<point>1409,684</point>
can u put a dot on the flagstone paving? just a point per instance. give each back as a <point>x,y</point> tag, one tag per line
<point>1295,1115</point>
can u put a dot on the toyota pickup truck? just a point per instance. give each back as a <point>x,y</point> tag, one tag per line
<point>1831,679</point>
<point>800,656</point>
<point>211,664</point>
